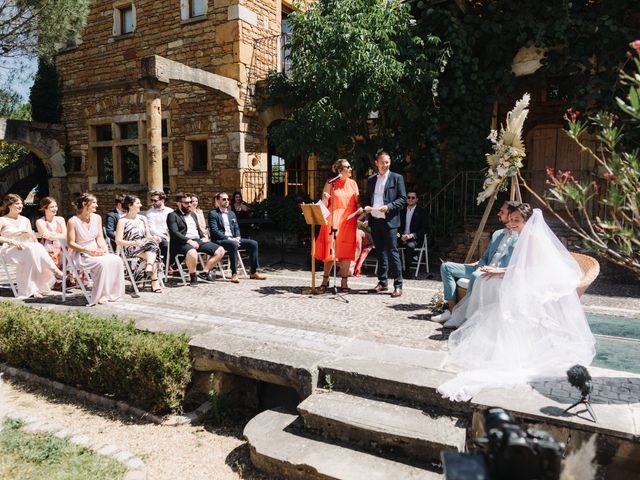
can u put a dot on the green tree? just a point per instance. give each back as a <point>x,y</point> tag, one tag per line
<point>45,96</point>
<point>605,213</point>
<point>354,66</point>
<point>11,107</point>
<point>39,27</point>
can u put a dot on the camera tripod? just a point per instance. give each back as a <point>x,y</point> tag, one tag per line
<point>584,400</point>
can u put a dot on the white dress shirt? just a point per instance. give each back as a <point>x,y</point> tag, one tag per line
<point>407,225</point>
<point>157,219</point>
<point>378,193</point>
<point>227,225</point>
<point>192,227</point>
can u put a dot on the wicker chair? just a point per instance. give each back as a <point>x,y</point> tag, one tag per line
<point>590,270</point>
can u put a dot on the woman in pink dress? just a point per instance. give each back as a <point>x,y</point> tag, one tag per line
<point>51,229</point>
<point>36,272</point>
<point>85,238</point>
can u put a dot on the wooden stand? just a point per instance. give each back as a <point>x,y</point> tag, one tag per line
<point>313,216</point>
<point>514,195</point>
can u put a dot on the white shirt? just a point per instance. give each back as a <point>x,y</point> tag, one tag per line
<point>192,228</point>
<point>157,220</point>
<point>227,225</point>
<point>501,250</point>
<point>407,226</point>
<point>378,193</point>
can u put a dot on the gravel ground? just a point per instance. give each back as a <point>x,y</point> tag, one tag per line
<point>190,452</point>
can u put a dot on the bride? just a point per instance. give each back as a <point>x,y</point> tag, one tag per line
<point>524,322</point>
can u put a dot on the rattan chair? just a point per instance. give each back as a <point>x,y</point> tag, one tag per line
<point>590,270</point>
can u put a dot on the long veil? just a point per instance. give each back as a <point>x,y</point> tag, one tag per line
<point>529,325</point>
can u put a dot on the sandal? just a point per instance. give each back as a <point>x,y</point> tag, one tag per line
<point>158,289</point>
<point>344,288</point>
<point>324,285</point>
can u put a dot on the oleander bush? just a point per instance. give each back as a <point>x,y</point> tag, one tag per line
<point>105,356</point>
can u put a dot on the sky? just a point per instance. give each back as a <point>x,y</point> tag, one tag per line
<point>18,75</point>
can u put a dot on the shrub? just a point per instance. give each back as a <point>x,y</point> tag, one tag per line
<point>110,357</point>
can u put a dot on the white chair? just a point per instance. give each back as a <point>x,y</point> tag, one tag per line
<point>423,257</point>
<point>226,260</point>
<point>371,260</point>
<point>8,275</point>
<point>107,240</point>
<point>68,265</point>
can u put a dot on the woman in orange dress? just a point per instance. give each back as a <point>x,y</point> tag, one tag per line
<point>345,199</point>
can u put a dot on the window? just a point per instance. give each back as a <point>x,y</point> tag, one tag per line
<point>103,133</point>
<point>193,9</point>
<point>129,164</point>
<point>104,159</point>
<point>285,35</point>
<point>199,160</point>
<point>124,19</point>
<point>129,130</point>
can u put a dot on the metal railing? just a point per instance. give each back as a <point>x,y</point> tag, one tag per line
<point>270,53</point>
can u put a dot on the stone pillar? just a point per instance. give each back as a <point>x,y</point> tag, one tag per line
<point>154,139</point>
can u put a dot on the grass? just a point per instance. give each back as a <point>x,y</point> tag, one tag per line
<point>41,456</point>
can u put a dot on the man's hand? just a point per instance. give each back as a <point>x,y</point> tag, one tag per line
<point>368,209</point>
<point>237,240</point>
<point>405,237</point>
<point>384,209</point>
<point>194,244</point>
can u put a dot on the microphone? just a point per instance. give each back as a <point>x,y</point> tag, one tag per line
<point>335,179</point>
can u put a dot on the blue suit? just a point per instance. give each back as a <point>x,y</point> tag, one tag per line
<point>451,272</point>
<point>218,235</point>
<point>385,230</point>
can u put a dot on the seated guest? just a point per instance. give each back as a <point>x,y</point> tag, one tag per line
<point>36,272</point>
<point>202,223</point>
<point>51,229</point>
<point>497,255</point>
<point>412,228</point>
<point>132,234</point>
<point>364,244</point>
<point>224,229</point>
<point>239,207</point>
<point>85,238</point>
<point>187,239</point>
<point>157,220</point>
<point>111,220</point>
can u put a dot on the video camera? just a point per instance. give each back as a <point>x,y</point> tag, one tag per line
<point>507,453</point>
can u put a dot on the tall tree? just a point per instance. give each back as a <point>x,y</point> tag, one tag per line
<point>354,65</point>
<point>45,93</point>
<point>38,27</point>
<point>11,107</point>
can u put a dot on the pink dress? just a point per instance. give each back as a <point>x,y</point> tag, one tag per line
<point>34,272</point>
<point>106,271</point>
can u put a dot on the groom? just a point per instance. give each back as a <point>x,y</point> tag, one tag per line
<point>385,197</point>
<point>497,254</point>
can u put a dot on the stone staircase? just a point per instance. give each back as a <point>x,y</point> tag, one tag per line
<point>376,421</point>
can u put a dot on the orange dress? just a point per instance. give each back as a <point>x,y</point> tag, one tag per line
<point>346,202</point>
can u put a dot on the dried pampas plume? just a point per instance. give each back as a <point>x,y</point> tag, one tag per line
<point>580,465</point>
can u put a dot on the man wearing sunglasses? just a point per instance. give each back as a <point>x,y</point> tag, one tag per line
<point>187,239</point>
<point>412,228</point>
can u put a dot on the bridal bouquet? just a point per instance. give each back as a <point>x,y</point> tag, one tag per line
<point>508,151</point>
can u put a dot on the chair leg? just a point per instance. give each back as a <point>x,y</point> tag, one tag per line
<point>418,265</point>
<point>241,263</point>
<point>180,270</point>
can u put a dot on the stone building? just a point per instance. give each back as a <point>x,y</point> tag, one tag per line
<point>176,74</point>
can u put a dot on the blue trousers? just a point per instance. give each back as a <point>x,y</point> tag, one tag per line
<point>251,246</point>
<point>451,272</point>
<point>385,240</point>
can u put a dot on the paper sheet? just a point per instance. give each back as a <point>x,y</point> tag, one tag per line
<point>325,210</point>
<point>376,213</point>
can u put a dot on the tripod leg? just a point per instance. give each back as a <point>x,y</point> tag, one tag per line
<point>590,410</point>
<point>573,406</point>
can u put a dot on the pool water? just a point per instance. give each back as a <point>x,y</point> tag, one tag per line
<point>617,342</point>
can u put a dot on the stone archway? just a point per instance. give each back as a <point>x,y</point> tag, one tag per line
<point>46,141</point>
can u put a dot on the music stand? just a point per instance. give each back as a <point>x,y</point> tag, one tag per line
<point>313,216</point>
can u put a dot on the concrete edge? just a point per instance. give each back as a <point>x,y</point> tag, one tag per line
<point>190,418</point>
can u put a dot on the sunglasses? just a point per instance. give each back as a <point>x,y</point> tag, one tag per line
<point>349,167</point>
<point>187,203</point>
<point>224,199</point>
<point>412,197</point>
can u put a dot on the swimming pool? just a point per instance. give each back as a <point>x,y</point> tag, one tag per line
<point>617,342</point>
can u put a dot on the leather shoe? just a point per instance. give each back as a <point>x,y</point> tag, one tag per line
<point>234,278</point>
<point>257,276</point>
<point>397,292</point>
<point>379,288</point>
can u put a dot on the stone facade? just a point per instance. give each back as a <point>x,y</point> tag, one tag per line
<point>104,101</point>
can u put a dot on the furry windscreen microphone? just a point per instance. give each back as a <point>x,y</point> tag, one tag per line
<point>580,378</point>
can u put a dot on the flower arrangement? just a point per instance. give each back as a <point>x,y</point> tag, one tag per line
<point>508,151</point>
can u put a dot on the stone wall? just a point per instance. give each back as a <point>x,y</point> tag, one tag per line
<point>100,86</point>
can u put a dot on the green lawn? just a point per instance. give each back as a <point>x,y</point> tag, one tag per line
<point>42,456</point>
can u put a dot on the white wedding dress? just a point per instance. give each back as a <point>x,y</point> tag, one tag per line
<point>528,325</point>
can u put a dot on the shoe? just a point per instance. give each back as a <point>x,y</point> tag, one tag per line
<point>443,317</point>
<point>257,276</point>
<point>324,285</point>
<point>206,276</point>
<point>344,288</point>
<point>454,321</point>
<point>157,288</point>
<point>397,292</point>
<point>194,281</point>
<point>234,278</point>
<point>379,288</point>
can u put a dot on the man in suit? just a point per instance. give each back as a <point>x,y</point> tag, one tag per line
<point>224,229</point>
<point>497,254</point>
<point>186,238</point>
<point>412,228</point>
<point>385,198</point>
<point>111,220</point>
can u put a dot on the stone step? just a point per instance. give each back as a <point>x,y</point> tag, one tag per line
<point>390,429</point>
<point>278,449</point>
<point>411,384</point>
